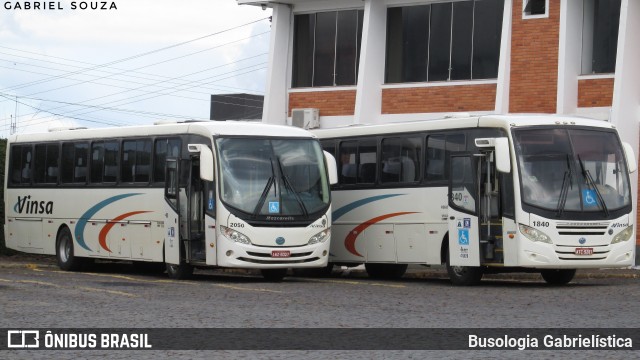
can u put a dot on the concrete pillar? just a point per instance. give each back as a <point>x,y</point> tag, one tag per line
<point>569,58</point>
<point>625,112</point>
<point>275,101</point>
<point>372,60</point>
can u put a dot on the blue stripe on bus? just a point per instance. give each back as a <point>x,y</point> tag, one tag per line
<point>82,222</point>
<point>356,204</point>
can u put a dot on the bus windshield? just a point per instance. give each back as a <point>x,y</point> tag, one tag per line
<point>572,170</point>
<point>273,177</point>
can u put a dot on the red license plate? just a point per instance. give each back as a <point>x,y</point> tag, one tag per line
<point>584,251</point>
<point>280,253</point>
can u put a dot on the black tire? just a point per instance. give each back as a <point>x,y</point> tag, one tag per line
<point>275,275</point>
<point>314,272</point>
<point>558,276</point>
<point>464,275</point>
<point>385,271</point>
<point>179,272</point>
<point>64,251</point>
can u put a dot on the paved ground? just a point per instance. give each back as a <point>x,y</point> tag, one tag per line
<point>34,293</point>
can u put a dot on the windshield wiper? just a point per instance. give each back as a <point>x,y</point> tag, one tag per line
<point>589,178</point>
<point>271,182</point>
<point>564,191</point>
<point>287,184</point>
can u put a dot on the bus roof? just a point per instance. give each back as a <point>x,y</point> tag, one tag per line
<point>493,121</point>
<point>205,128</point>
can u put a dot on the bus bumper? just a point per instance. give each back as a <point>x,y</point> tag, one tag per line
<point>236,255</point>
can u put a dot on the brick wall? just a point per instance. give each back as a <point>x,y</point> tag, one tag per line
<point>595,92</point>
<point>534,61</point>
<point>439,99</point>
<point>330,103</point>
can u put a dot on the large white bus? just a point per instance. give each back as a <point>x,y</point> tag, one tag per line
<point>227,194</point>
<point>481,194</point>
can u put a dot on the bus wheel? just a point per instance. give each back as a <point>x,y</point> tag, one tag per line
<point>558,277</point>
<point>64,251</point>
<point>273,274</point>
<point>179,272</point>
<point>464,275</point>
<point>385,271</point>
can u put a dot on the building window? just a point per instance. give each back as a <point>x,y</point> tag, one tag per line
<point>326,48</point>
<point>444,41</point>
<point>532,9</point>
<point>601,20</point>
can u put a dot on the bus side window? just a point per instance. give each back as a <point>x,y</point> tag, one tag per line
<point>347,168</point>
<point>46,164</point>
<point>164,148</point>
<point>21,164</point>
<point>439,149</point>
<point>74,162</point>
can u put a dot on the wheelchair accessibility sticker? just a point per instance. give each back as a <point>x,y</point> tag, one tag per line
<point>274,207</point>
<point>463,236</point>
<point>589,198</point>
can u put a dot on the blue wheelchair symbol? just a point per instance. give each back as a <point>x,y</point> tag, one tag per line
<point>274,207</point>
<point>589,198</point>
<point>210,204</point>
<point>463,236</point>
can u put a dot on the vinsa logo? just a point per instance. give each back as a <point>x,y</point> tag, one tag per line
<point>25,205</point>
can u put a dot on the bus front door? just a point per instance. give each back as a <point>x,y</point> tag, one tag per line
<point>463,258</point>
<point>176,249</point>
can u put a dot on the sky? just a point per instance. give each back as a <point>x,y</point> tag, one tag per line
<point>147,60</point>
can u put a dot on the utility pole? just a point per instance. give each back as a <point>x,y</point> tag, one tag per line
<point>14,119</point>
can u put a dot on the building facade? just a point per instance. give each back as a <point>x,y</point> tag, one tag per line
<point>380,61</point>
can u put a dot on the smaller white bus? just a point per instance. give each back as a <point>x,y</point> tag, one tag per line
<point>482,194</point>
<point>227,194</point>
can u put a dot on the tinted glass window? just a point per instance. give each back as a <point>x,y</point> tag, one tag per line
<point>21,161</point>
<point>486,38</point>
<point>303,42</point>
<point>444,41</point>
<point>164,148</point>
<point>326,48</point>
<point>46,164</point>
<point>400,160</point>
<point>461,44</point>
<point>74,162</point>
<point>136,161</point>
<point>439,42</point>
<point>439,149</point>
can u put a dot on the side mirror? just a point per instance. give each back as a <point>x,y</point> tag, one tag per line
<point>632,165</point>
<point>501,145</point>
<point>332,168</point>
<point>206,160</point>
<point>503,160</point>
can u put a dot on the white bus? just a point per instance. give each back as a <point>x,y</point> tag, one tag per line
<point>482,194</point>
<point>227,194</point>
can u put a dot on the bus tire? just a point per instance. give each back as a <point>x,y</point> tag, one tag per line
<point>275,275</point>
<point>64,251</point>
<point>179,272</point>
<point>558,276</point>
<point>385,271</point>
<point>464,275</point>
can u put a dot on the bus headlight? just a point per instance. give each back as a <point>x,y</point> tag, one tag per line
<point>234,235</point>
<point>534,234</point>
<point>320,237</point>
<point>623,235</point>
